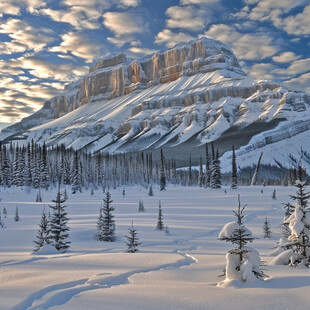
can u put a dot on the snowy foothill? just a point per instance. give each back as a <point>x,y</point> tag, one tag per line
<point>178,269</point>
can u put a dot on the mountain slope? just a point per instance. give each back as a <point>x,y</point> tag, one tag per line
<point>179,99</point>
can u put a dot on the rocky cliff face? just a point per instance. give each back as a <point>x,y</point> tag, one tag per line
<point>115,76</point>
<point>179,99</point>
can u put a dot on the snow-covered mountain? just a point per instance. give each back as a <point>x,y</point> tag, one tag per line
<point>177,99</point>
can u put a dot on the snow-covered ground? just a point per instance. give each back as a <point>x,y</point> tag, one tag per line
<point>178,270</point>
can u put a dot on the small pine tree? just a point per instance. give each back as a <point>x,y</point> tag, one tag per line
<point>92,192</point>
<point>266,229</point>
<point>243,262</point>
<point>43,236</point>
<point>151,193</point>
<point>234,180</point>
<point>1,221</point>
<point>162,171</point>
<point>160,224</point>
<point>66,194</point>
<point>274,194</point>
<point>39,197</point>
<point>106,222</point>
<point>141,206</point>
<point>124,192</point>
<point>59,231</point>
<point>16,217</point>
<point>5,212</point>
<point>298,242</point>
<point>132,240</point>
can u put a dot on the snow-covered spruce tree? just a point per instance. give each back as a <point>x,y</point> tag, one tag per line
<point>234,180</point>
<point>216,177</point>
<point>124,192</point>
<point>76,177</point>
<point>106,222</point>
<point>132,240</point>
<point>298,244</point>
<point>43,236</point>
<point>208,171</point>
<point>254,178</point>
<point>5,212</point>
<point>274,194</point>
<point>242,262</point>
<point>1,221</point>
<point>162,180</point>
<point>266,229</point>
<point>160,223</point>
<point>59,231</point>
<point>39,197</point>
<point>16,217</point>
<point>141,206</point>
<point>151,192</point>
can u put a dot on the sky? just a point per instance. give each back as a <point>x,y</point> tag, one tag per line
<point>45,45</point>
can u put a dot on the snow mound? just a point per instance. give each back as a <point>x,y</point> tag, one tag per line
<point>46,250</point>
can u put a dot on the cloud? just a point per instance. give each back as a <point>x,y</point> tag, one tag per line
<point>169,38</point>
<point>24,37</point>
<point>14,7</point>
<point>298,66</point>
<point>260,71</point>
<point>141,50</point>
<point>246,46</point>
<point>128,3</point>
<point>124,25</point>
<point>285,57</point>
<point>275,11</point>
<point>186,17</point>
<point>299,24</point>
<point>300,83</point>
<point>80,17</point>
<point>184,2</point>
<point>79,45</point>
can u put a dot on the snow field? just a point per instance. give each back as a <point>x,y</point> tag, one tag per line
<point>178,270</point>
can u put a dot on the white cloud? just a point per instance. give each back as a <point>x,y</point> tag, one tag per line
<point>24,37</point>
<point>299,83</point>
<point>298,24</point>
<point>169,38</point>
<point>299,66</point>
<point>260,71</point>
<point>124,25</point>
<point>128,3</point>
<point>79,45</point>
<point>186,17</point>
<point>14,7</point>
<point>285,57</point>
<point>80,17</point>
<point>183,2</point>
<point>246,46</point>
<point>141,50</point>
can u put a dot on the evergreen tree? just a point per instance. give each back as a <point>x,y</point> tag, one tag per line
<point>234,180</point>
<point>243,262</point>
<point>208,171</point>
<point>76,177</point>
<point>39,197</point>
<point>190,174</point>
<point>43,236</point>
<point>59,231</point>
<point>160,223</point>
<point>92,192</point>
<point>216,177</point>
<point>201,174</point>
<point>132,240</point>
<point>124,192</point>
<point>299,240</point>
<point>106,222</point>
<point>141,206</point>
<point>266,229</point>
<point>151,193</point>
<point>162,171</point>
<point>274,194</point>
<point>16,218</point>
<point>5,212</point>
<point>1,221</point>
